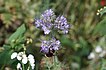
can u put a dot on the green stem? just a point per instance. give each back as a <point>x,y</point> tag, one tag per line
<point>23,66</point>
<point>28,67</point>
<point>54,60</point>
<point>49,68</point>
<point>48,65</point>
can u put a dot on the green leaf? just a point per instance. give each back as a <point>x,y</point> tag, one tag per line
<point>84,47</point>
<point>65,41</point>
<point>5,57</point>
<point>103,67</point>
<point>18,34</point>
<point>101,27</point>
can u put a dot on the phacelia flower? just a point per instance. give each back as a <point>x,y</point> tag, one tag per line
<point>48,21</point>
<point>51,45</point>
<point>45,21</point>
<point>61,24</point>
<point>48,16</point>
<point>46,29</point>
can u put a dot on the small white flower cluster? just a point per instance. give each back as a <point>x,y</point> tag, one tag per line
<point>91,55</point>
<point>21,56</point>
<point>98,51</point>
<point>102,9</point>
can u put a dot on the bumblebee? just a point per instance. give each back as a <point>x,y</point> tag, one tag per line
<point>50,53</point>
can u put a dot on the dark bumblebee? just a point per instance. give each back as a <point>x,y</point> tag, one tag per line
<point>50,53</point>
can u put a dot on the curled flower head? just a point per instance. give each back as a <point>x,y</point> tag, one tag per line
<point>45,46</point>
<point>48,16</point>
<point>46,29</point>
<point>38,23</point>
<point>45,21</point>
<point>48,21</point>
<point>61,24</point>
<point>51,45</point>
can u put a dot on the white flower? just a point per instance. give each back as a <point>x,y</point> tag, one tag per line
<point>98,49</point>
<point>19,56</point>
<point>31,61</point>
<point>91,56</point>
<point>30,56</point>
<point>32,65</point>
<point>18,66</point>
<point>14,55</point>
<point>24,56</point>
<point>24,60</point>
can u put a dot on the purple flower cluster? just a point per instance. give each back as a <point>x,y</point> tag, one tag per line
<point>48,21</point>
<point>45,21</point>
<point>51,45</point>
<point>61,24</point>
<point>48,16</point>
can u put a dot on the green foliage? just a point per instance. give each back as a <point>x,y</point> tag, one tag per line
<point>16,40</point>
<point>15,43</point>
<point>100,28</point>
<point>5,57</point>
<point>18,34</point>
<point>103,66</point>
<point>65,41</point>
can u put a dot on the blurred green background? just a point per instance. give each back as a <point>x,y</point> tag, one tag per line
<point>87,29</point>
